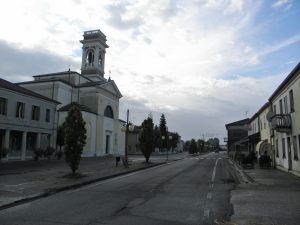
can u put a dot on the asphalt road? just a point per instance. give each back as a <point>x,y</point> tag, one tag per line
<point>194,190</point>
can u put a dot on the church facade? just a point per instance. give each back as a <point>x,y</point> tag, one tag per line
<point>96,97</point>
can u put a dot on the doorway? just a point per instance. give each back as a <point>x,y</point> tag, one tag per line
<point>107,144</point>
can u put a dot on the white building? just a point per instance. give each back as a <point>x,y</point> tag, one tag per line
<point>253,133</point>
<point>97,97</point>
<point>285,122</point>
<point>264,145</point>
<point>26,121</point>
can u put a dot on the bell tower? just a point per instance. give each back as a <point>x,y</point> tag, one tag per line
<point>93,54</point>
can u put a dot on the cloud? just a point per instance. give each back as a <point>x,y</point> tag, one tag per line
<point>203,109</point>
<point>282,44</point>
<point>147,40</point>
<point>119,17</point>
<point>19,64</point>
<point>286,4</point>
<point>166,56</point>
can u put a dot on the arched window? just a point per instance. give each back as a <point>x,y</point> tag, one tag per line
<point>90,57</point>
<point>108,112</point>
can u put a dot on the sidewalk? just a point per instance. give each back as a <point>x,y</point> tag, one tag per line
<point>21,181</point>
<point>267,196</point>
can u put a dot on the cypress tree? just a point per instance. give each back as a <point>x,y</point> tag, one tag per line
<point>75,137</point>
<point>147,138</point>
<point>163,129</point>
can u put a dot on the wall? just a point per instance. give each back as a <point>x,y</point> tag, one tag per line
<point>90,120</point>
<point>90,148</point>
<point>26,124</point>
<point>283,163</point>
<point>254,126</point>
<point>264,125</point>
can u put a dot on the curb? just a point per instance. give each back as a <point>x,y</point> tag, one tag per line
<point>245,178</point>
<point>53,191</point>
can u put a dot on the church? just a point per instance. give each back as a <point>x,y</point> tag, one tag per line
<point>96,97</point>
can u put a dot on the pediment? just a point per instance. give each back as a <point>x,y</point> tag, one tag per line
<point>112,88</point>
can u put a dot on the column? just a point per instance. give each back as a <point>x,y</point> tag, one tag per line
<point>6,143</point>
<point>96,57</point>
<point>51,141</point>
<point>83,61</point>
<point>38,140</point>
<point>6,139</point>
<point>24,141</point>
<point>103,61</point>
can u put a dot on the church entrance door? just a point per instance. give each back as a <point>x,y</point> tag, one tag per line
<point>107,141</point>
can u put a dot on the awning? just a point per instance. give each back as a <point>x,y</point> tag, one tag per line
<point>263,146</point>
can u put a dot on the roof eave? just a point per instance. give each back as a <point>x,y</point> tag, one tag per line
<point>285,81</point>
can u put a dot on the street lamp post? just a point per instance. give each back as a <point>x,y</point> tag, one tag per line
<point>170,138</point>
<point>126,129</point>
<point>163,138</point>
<point>126,139</point>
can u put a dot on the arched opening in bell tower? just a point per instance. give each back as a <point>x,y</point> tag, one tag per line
<point>90,57</point>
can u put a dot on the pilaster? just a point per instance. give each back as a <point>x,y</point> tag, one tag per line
<point>23,149</point>
<point>38,140</point>
<point>6,139</point>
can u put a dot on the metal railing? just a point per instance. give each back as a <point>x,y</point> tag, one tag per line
<point>281,121</point>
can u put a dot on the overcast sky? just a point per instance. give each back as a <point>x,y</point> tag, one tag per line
<point>203,63</point>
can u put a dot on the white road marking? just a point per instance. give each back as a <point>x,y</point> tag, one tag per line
<point>206,213</point>
<point>214,171</point>
<point>15,185</point>
<point>211,186</point>
<point>209,195</point>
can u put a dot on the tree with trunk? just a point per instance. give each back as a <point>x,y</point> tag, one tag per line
<point>60,139</point>
<point>200,145</point>
<point>75,137</point>
<point>193,147</point>
<point>187,145</point>
<point>213,143</point>
<point>174,141</point>
<point>157,138</point>
<point>147,138</point>
<point>163,130</point>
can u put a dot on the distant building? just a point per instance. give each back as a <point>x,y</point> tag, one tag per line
<point>237,133</point>
<point>133,141</point>
<point>96,97</point>
<point>264,146</point>
<point>253,133</point>
<point>27,121</point>
<point>180,145</point>
<point>134,146</point>
<point>285,122</point>
<point>223,147</point>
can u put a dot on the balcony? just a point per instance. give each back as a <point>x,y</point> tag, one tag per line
<point>282,123</point>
